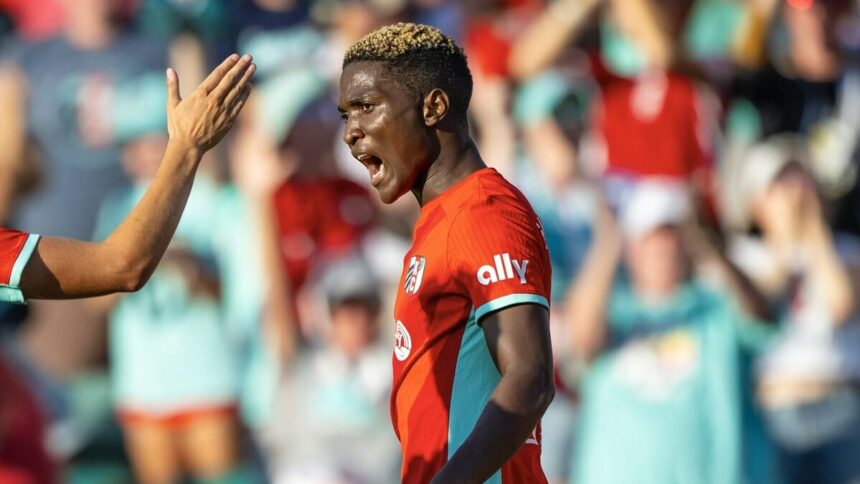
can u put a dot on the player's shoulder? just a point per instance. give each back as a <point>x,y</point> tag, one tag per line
<point>491,198</point>
<point>495,210</point>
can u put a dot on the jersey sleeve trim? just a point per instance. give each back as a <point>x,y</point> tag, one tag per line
<point>507,301</point>
<point>12,293</point>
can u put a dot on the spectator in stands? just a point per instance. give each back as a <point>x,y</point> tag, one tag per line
<point>809,85</point>
<point>808,379</point>
<point>316,212</point>
<point>649,119</point>
<point>664,352</point>
<point>334,400</point>
<point>174,362</point>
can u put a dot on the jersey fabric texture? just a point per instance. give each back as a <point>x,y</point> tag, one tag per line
<point>15,250</point>
<point>477,248</point>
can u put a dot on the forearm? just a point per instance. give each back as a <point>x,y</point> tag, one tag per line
<point>645,26</point>
<point>547,37</point>
<point>497,139</point>
<point>588,299</point>
<point>278,312</point>
<point>144,235</point>
<point>748,48</point>
<point>62,268</point>
<point>506,423</point>
<point>829,277</point>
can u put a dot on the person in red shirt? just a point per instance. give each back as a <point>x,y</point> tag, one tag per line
<point>34,267</point>
<point>472,358</point>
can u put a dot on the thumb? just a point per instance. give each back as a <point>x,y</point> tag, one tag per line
<point>172,89</point>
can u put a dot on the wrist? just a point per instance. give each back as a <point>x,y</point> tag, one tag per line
<point>184,150</point>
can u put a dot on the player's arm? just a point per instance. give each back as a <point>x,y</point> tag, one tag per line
<point>519,342</point>
<point>62,268</point>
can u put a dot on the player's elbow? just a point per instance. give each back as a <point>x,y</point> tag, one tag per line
<point>135,281</point>
<point>545,396</point>
<point>131,274</point>
<point>539,391</point>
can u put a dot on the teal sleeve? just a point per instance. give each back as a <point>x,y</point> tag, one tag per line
<point>507,301</point>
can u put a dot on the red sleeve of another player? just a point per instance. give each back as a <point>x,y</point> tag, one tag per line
<point>11,243</point>
<point>497,252</point>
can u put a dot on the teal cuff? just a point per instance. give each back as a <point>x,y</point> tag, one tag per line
<point>507,301</point>
<point>12,293</point>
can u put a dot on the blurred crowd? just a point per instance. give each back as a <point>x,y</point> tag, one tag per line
<point>694,164</point>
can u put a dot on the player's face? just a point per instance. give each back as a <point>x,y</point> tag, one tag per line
<point>384,129</point>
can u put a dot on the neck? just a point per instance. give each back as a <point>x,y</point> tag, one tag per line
<point>458,158</point>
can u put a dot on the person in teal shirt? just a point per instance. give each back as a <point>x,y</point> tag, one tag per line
<point>176,345</point>
<point>664,391</point>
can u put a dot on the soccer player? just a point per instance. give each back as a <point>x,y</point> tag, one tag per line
<point>472,359</point>
<point>53,268</point>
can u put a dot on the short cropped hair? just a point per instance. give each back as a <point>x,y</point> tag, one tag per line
<point>421,58</point>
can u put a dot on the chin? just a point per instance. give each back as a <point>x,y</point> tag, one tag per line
<point>389,195</point>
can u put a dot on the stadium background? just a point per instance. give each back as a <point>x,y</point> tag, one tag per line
<point>733,122</point>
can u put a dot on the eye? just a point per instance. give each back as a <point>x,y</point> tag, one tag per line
<point>344,116</point>
<point>366,107</point>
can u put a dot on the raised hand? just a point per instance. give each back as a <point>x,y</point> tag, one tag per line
<point>204,117</point>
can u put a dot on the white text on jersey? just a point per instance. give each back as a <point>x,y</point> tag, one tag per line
<point>503,270</point>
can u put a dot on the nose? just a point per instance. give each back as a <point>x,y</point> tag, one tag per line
<point>352,132</point>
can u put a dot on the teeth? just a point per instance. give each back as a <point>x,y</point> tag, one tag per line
<point>363,157</point>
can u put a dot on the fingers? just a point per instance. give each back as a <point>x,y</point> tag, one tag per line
<point>239,101</point>
<point>215,77</point>
<point>230,80</point>
<point>173,97</point>
<point>239,87</point>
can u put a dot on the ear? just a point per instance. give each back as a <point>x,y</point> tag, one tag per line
<point>436,107</point>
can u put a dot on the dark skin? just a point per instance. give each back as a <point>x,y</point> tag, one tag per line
<point>411,142</point>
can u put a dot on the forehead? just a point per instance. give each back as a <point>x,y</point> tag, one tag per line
<point>663,233</point>
<point>363,78</point>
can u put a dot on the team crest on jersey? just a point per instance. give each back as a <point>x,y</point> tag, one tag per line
<point>402,342</point>
<point>415,274</point>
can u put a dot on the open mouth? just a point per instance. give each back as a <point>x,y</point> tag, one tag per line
<point>375,167</point>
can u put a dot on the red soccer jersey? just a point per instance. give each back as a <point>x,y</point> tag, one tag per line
<point>15,250</point>
<point>477,248</point>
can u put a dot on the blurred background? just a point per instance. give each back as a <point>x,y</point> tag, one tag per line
<point>694,163</point>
